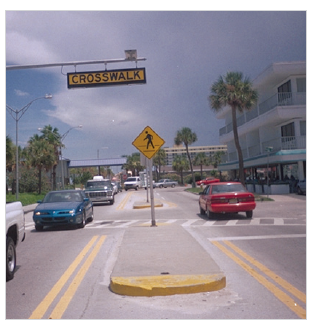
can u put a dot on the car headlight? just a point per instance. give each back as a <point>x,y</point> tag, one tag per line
<point>37,213</point>
<point>72,211</point>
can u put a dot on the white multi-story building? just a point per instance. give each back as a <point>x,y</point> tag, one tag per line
<point>273,133</point>
<point>172,152</point>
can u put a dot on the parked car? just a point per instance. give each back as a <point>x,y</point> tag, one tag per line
<point>164,183</point>
<point>100,191</point>
<point>226,197</point>
<point>63,207</point>
<point>132,183</point>
<point>301,187</point>
<point>207,181</point>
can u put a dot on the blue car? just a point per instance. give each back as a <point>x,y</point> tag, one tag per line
<point>64,207</point>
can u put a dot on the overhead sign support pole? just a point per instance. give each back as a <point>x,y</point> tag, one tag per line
<point>131,55</point>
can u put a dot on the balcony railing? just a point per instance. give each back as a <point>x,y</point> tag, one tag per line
<point>279,99</point>
<point>282,143</point>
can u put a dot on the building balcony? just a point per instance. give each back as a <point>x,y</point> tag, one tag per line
<point>278,144</point>
<point>278,100</point>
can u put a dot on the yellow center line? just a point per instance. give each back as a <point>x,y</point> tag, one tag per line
<point>39,312</point>
<point>286,285</point>
<point>41,309</point>
<point>282,296</point>
<point>124,201</point>
<point>69,294</point>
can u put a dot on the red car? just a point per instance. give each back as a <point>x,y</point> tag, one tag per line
<point>207,181</point>
<point>226,197</point>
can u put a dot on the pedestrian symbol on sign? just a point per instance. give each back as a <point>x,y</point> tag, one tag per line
<point>149,138</point>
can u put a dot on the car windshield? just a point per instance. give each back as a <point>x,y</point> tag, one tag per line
<point>218,189</point>
<point>62,196</point>
<point>131,179</point>
<point>98,184</point>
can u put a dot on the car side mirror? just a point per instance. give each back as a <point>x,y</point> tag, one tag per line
<point>39,201</point>
<point>86,199</point>
<point>201,193</point>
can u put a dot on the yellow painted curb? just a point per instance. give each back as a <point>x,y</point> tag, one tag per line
<point>139,205</point>
<point>167,284</point>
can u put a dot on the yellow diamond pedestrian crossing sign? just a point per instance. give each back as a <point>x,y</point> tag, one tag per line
<point>148,142</point>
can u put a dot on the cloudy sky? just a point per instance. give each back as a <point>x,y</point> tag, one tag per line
<point>185,51</point>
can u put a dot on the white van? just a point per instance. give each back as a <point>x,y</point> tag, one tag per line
<point>132,183</point>
<point>98,178</point>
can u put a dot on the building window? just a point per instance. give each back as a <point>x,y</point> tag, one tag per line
<point>302,128</point>
<point>285,93</point>
<point>288,130</point>
<point>285,88</point>
<point>301,85</point>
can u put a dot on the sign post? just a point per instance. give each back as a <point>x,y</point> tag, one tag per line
<point>149,143</point>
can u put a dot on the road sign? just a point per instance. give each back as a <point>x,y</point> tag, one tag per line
<point>148,142</point>
<point>106,78</point>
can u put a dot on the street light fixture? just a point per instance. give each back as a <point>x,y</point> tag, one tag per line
<point>15,115</point>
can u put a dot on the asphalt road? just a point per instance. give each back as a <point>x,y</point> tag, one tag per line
<point>65,273</point>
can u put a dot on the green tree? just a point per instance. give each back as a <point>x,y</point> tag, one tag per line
<point>52,136</point>
<point>180,164</point>
<point>159,160</point>
<point>40,154</point>
<point>201,159</point>
<point>10,159</point>
<point>237,92</point>
<point>133,164</point>
<point>187,137</point>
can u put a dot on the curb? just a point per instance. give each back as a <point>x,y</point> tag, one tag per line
<point>167,284</point>
<point>138,205</point>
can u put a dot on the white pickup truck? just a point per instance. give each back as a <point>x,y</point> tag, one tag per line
<point>15,233</point>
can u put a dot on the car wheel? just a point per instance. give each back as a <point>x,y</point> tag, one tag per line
<point>10,258</point>
<point>160,186</point>
<point>39,227</point>
<point>90,219</point>
<point>209,213</point>
<point>249,214</point>
<point>111,201</point>
<point>82,224</point>
<point>173,185</point>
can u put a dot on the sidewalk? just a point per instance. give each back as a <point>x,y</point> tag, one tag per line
<point>163,260</point>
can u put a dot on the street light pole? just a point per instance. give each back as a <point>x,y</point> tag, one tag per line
<point>16,117</point>
<point>268,150</point>
<point>62,168</point>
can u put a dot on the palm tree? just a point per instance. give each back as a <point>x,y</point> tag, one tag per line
<point>133,164</point>
<point>179,164</point>
<point>40,154</point>
<point>187,137</point>
<point>159,160</point>
<point>52,136</point>
<point>238,93</point>
<point>201,159</point>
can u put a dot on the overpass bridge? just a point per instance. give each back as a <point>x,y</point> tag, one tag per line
<point>97,162</point>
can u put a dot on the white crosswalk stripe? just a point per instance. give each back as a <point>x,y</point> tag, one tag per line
<point>102,224</point>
